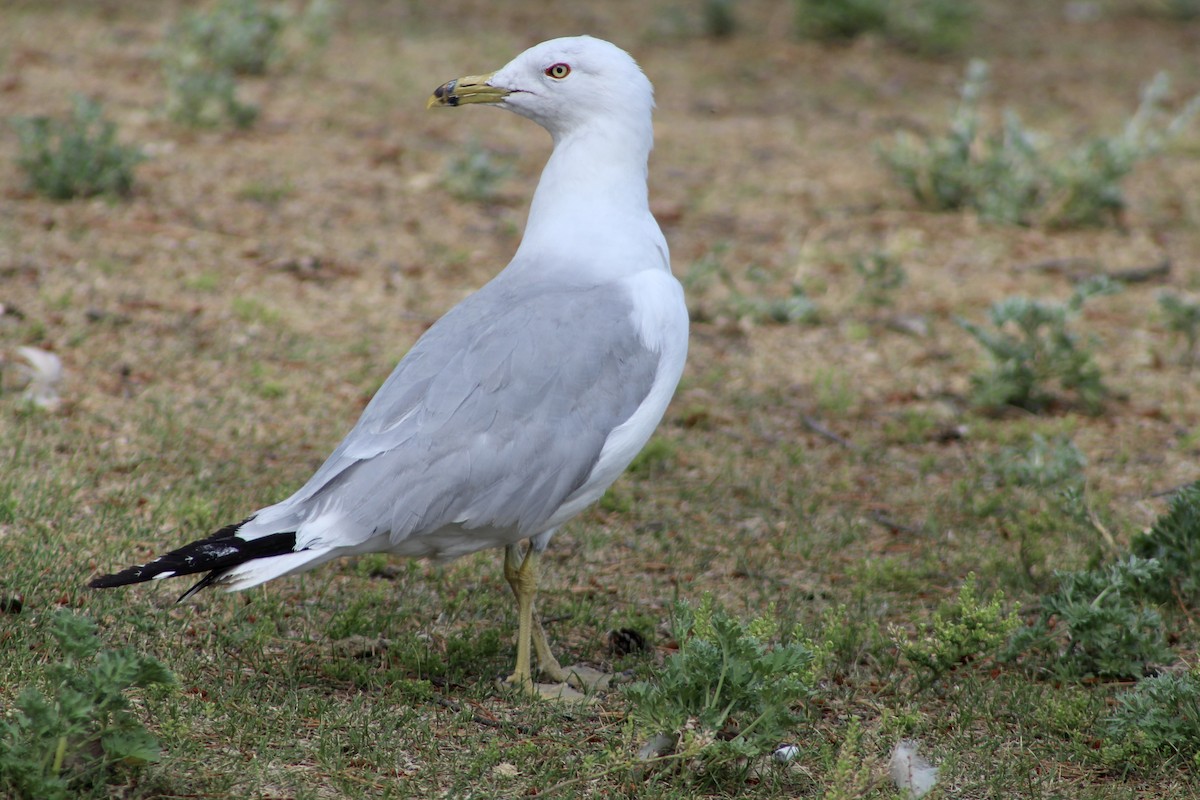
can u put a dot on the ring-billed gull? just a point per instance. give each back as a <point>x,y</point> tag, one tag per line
<point>521,405</point>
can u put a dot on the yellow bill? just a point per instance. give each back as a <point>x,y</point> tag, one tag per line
<point>470,89</point>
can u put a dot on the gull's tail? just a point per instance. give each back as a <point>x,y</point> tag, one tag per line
<point>227,558</point>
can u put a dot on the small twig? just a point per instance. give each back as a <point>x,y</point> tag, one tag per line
<point>479,719</point>
<point>1068,266</point>
<point>1141,274</point>
<point>1099,526</point>
<point>1096,523</point>
<point>1183,605</point>
<point>814,425</point>
<point>445,702</point>
<point>1080,269</point>
<point>361,781</point>
<point>1172,490</point>
<point>892,525</point>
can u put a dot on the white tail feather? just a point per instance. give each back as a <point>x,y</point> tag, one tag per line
<point>261,570</point>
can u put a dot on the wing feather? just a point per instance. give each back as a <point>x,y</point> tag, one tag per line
<point>496,415</point>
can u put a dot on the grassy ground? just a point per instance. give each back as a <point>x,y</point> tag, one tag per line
<point>221,329</point>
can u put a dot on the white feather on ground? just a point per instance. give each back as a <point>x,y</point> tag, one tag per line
<point>44,371</point>
<point>911,771</point>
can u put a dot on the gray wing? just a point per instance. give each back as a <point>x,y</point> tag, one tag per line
<point>495,416</point>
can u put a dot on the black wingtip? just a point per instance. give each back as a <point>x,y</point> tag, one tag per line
<point>111,581</point>
<point>173,563</point>
<point>216,555</point>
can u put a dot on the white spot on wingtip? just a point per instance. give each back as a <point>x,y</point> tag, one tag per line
<point>161,575</point>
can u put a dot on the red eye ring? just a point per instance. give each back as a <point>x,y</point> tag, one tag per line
<point>558,71</point>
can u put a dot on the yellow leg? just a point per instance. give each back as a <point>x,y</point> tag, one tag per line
<point>522,576</point>
<point>514,568</point>
<point>548,665</point>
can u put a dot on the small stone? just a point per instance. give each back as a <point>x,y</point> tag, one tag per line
<point>785,753</point>
<point>661,745</point>
<point>588,678</point>
<point>562,692</point>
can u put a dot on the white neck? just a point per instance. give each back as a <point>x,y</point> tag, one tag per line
<point>592,197</point>
<point>599,163</point>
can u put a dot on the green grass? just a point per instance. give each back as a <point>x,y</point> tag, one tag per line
<point>336,670</point>
<point>268,192</point>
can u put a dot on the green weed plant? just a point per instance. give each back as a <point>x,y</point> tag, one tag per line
<point>199,97</point>
<point>237,36</point>
<point>1183,320</point>
<point>925,27</point>
<point>732,692</point>
<point>316,24</point>
<point>1097,623</point>
<point>70,741</point>
<point>720,19</point>
<point>76,157</point>
<point>967,629</point>
<point>207,50</point>
<point>881,275</point>
<point>1037,360</point>
<point>1021,177</point>
<point>713,291</point>
<point>1044,463</point>
<point>1174,542</point>
<point>1156,724</point>
<point>210,49</point>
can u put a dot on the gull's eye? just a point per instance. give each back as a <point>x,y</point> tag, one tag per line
<point>558,71</point>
